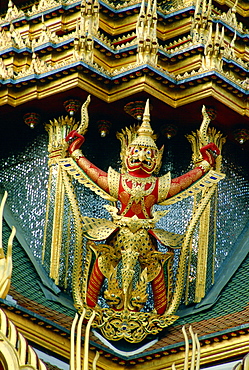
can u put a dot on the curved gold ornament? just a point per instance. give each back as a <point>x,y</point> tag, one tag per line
<point>5,262</point>
<point>15,352</point>
<point>196,351</point>
<point>203,129</point>
<point>82,129</point>
<point>242,365</point>
<point>75,345</point>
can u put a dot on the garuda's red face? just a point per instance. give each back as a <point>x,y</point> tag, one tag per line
<point>141,158</point>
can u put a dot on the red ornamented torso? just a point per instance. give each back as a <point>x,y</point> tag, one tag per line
<point>137,196</point>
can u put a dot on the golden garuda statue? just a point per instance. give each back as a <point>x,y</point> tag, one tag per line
<point>123,263</point>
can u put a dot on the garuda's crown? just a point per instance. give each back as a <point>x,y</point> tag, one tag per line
<point>145,132</point>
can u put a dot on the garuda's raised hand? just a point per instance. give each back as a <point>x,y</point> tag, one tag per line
<point>209,153</point>
<point>75,141</point>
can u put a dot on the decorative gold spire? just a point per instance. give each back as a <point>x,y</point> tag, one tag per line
<point>145,132</point>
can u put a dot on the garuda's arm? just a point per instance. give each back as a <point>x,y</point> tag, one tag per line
<point>98,176</point>
<point>209,153</point>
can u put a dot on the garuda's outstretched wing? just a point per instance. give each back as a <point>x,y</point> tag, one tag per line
<point>208,180</point>
<point>74,170</point>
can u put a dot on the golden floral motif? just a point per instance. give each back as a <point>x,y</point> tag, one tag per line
<point>130,325</point>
